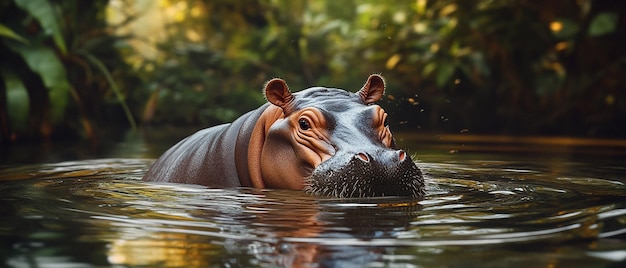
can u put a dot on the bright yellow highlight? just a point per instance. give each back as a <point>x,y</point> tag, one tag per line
<point>392,61</point>
<point>556,26</point>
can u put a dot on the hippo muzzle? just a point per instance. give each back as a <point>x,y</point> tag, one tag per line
<point>381,172</point>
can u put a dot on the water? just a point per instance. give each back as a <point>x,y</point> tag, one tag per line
<point>481,210</point>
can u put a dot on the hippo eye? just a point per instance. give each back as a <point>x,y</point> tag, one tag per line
<point>304,124</point>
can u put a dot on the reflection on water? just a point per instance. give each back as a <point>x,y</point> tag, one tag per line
<point>483,212</point>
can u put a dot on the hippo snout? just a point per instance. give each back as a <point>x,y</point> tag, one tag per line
<point>381,172</point>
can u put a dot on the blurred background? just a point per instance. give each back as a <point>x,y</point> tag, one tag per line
<point>95,70</point>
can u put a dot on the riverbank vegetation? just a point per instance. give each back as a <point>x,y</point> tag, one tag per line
<point>76,69</point>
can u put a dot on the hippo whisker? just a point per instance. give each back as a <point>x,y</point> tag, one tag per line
<point>354,189</point>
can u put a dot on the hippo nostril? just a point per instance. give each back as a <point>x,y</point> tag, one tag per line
<point>363,157</point>
<point>401,155</point>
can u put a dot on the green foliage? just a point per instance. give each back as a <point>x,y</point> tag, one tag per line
<point>6,32</point>
<point>44,95</point>
<point>109,78</point>
<point>43,11</point>
<point>42,60</point>
<point>483,66</point>
<point>603,23</point>
<point>17,100</point>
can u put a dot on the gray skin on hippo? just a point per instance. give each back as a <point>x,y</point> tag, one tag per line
<point>325,141</point>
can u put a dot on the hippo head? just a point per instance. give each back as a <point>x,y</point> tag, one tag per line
<point>337,143</point>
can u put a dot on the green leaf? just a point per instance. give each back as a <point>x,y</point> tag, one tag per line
<point>17,101</point>
<point>118,93</point>
<point>43,11</point>
<point>7,32</point>
<point>429,68</point>
<point>44,62</point>
<point>603,23</point>
<point>444,73</point>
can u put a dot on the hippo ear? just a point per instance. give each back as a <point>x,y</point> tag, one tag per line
<point>277,92</point>
<point>373,89</point>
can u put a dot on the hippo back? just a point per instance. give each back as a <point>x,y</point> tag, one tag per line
<point>214,157</point>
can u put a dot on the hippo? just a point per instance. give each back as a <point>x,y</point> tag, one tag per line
<point>324,141</point>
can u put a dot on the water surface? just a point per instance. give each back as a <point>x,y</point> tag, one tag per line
<point>480,210</point>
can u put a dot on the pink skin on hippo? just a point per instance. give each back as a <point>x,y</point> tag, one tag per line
<point>324,141</point>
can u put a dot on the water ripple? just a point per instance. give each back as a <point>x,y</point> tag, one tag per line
<point>494,208</point>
